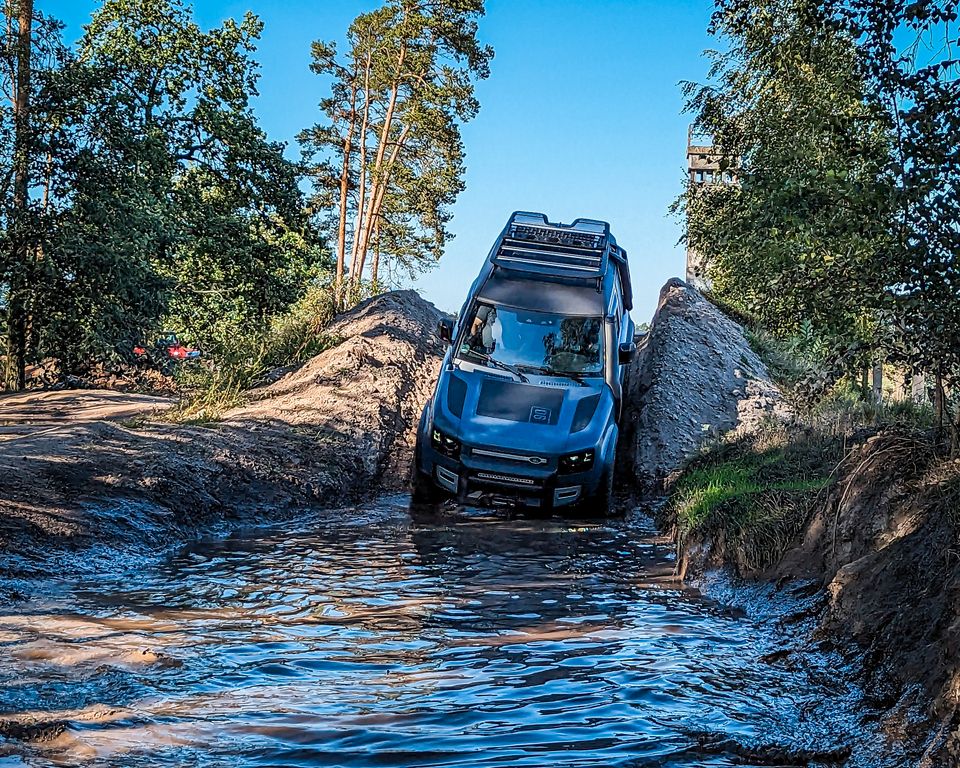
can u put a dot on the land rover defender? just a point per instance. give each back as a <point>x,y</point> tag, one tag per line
<point>526,406</point>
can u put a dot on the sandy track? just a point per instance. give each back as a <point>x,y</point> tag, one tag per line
<point>26,413</point>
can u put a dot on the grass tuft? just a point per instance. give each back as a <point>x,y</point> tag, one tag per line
<point>753,497</point>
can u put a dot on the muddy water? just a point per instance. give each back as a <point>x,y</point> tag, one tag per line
<point>380,640</point>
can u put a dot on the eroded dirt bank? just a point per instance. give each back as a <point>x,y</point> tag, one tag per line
<point>886,546</point>
<point>77,472</point>
<point>696,379</point>
<point>879,551</point>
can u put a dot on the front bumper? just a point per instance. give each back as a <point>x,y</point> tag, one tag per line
<point>481,479</point>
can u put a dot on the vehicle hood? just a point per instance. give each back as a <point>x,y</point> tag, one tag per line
<point>548,414</point>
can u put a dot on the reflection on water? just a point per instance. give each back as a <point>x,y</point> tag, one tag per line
<point>457,639</point>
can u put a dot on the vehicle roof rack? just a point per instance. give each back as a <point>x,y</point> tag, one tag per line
<point>531,243</point>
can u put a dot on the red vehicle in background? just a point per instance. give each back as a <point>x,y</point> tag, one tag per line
<point>165,350</point>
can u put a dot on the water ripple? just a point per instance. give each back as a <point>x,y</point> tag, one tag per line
<point>460,639</point>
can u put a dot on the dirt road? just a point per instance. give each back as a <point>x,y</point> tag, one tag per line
<point>33,414</point>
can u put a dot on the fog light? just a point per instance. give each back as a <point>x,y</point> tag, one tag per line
<point>577,462</point>
<point>443,443</point>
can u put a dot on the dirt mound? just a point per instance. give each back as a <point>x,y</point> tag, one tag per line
<point>887,547</point>
<point>337,429</point>
<point>696,380</point>
<point>363,397</point>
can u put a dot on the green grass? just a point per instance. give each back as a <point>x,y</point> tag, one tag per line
<point>206,403</point>
<point>752,498</point>
<point>706,490</point>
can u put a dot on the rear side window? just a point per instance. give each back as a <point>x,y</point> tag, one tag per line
<point>616,304</point>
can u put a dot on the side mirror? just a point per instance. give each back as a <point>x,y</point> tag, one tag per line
<point>628,351</point>
<point>445,330</point>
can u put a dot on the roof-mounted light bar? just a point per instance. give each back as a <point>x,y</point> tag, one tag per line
<point>582,233</point>
<point>578,251</point>
<point>532,243</point>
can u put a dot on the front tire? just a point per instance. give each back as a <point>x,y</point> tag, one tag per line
<point>423,492</point>
<point>601,503</point>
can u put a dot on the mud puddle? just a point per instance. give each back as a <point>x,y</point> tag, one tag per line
<point>378,639</point>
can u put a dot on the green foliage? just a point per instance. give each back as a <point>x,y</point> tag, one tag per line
<point>235,269</point>
<point>841,123</point>
<point>825,399</point>
<point>288,339</point>
<point>844,409</point>
<point>94,282</point>
<point>797,362</point>
<point>915,83</point>
<point>238,247</point>
<point>388,156</point>
<point>801,241</point>
<point>157,198</point>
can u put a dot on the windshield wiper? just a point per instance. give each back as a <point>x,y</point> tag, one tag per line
<point>546,371</point>
<point>501,365</point>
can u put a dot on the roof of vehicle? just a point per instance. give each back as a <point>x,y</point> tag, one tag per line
<point>562,298</point>
<point>582,250</point>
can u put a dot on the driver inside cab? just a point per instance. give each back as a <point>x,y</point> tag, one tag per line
<point>484,330</point>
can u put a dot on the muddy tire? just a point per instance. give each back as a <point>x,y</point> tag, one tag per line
<point>422,490</point>
<point>600,504</point>
<point>603,501</point>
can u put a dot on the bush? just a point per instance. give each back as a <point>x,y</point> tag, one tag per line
<point>844,410</point>
<point>827,399</point>
<point>289,339</point>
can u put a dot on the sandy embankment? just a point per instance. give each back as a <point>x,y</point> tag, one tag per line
<point>76,471</point>
<point>882,548</point>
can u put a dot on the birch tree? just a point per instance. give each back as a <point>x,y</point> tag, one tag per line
<point>910,49</point>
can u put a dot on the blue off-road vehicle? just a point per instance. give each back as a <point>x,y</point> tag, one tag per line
<point>526,407</point>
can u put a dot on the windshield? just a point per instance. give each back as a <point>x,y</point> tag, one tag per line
<point>535,340</point>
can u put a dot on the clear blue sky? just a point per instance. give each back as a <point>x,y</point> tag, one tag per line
<point>580,117</point>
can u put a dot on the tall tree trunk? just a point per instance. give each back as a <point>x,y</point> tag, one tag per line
<point>19,283</point>
<point>955,434</point>
<point>918,388</point>
<point>377,172</point>
<point>375,264</point>
<point>344,192</point>
<point>381,191</point>
<point>938,404</point>
<point>362,180</point>
<point>377,194</point>
<point>878,380</point>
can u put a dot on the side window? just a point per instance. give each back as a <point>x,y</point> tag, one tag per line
<point>616,310</point>
<point>616,301</point>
